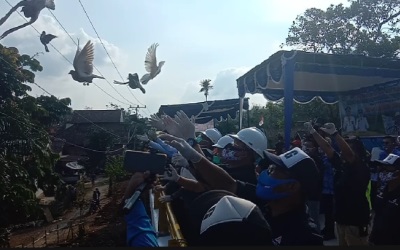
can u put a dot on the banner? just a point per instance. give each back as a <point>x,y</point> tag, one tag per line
<point>371,111</point>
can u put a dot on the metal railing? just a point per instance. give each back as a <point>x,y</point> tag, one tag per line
<point>167,221</point>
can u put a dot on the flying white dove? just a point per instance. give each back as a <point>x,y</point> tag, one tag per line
<point>150,64</point>
<point>31,9</point>
<point>134,83</point>
<point>83,64</point>
<point>45,39</point>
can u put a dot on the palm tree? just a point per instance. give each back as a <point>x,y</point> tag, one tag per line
<point>205,87</point>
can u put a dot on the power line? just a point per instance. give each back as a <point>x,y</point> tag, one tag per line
<point>65,30</point>
<point>57,138</point>
<point>68,59</point>
<point>98,36</point>
<point>68,106</point>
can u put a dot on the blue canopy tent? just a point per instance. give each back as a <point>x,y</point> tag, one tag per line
<point>302,76</point>
<point>204,112</point>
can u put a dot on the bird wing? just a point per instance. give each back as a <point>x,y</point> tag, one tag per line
<point>150,62</point>
<point>83,62</point>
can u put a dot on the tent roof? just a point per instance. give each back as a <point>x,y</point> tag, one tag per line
<point>318,75</point>
<point>206,111</point>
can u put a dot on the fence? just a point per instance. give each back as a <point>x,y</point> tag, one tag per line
<point>58,235</point>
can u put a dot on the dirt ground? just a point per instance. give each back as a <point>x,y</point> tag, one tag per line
<point>103,228</point>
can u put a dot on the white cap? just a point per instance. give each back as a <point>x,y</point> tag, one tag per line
<point>223,141</point>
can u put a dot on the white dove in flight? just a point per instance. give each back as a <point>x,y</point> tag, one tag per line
<point>150,64</point>
<point>83,64</point>
<point>134,83</point>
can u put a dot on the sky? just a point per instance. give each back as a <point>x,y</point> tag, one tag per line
<point>198,39</point>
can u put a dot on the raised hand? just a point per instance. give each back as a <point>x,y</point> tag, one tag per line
<point>185,125</point>
<point>329,128</point>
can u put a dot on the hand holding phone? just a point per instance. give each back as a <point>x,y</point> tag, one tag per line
<point>139,161</point>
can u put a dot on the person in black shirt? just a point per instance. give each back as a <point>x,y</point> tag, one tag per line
<point>386,224</point>
<point>314,199</point>
<point>280,193</point>
<point>351,178</point>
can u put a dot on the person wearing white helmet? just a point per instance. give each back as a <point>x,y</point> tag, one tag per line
<point>241,158</point>
<point>225,142</point>
<point>206,141</point>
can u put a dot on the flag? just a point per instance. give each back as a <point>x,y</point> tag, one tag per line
<point>261,121</point>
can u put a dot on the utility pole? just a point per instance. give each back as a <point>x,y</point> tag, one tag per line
<point>136,109</point>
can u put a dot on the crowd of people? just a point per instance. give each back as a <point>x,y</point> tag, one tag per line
<point>233,190</point>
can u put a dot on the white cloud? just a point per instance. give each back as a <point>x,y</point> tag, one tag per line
<point>54,77</point>
<point>177,83</point>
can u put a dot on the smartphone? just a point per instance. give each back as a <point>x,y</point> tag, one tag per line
<point>139,161</point>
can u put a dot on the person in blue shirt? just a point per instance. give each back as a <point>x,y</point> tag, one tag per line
<point>140,232</point>
<point>389,147</point>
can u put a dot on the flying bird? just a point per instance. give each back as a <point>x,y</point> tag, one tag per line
<point>150,64</point>
<point>45,39</point>
<point>31,9</point>
<point>134,83</point>
<point>83,64</point>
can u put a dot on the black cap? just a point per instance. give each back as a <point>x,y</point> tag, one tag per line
<point>300,165</point>
<point>223,219</point>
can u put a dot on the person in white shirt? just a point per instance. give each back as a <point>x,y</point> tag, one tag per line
<point>349,122</point>
<point>361,122</point>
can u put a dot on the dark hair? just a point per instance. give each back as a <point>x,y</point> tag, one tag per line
<point>310,138</point>
<point>358,147</point>
<point>390,138</point>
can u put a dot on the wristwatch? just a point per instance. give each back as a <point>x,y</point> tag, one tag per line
<point>192,142</point>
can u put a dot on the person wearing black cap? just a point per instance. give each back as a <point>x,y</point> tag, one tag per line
<point>286,182</point>
<point>221,219</point>
<point>386,226</point>
<point>283,186</point>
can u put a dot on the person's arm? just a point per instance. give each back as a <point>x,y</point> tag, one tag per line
<point>158,147</point>
<point>167,148</point>
<point>322,143</point>
<point>346,151</point>
<point>140,232</point>
<point>191,185</point>
<point>214,176</point>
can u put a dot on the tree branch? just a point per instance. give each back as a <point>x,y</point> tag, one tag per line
<point>385,21</point>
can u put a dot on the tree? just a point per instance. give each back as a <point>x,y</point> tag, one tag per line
<point>26,161</point>
<point>367,27</point>
<point>206,87</point>
<point>273,113</point>
<point>114,170</point>
<point>99,140</point>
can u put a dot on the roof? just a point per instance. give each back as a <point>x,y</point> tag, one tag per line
<point>318,75</point>
<point>206,111</point>
<point>97,116</point>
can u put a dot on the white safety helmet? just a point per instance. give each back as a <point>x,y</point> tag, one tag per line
<point>254,139</point>
<point>213,134</point>
<point>223,141</point>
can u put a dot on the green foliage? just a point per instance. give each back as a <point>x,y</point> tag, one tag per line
<point>273,114</point>
<point>99,140</point>
<point>368,27</point>
<point>114,167</point>
<point>26,160</point>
